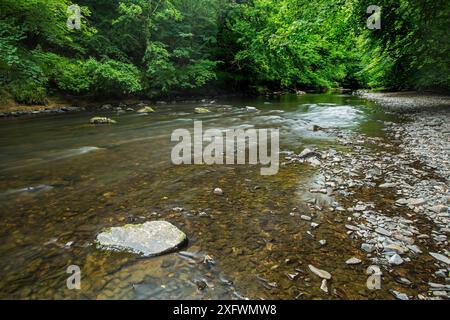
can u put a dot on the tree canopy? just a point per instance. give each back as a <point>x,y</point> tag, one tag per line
<point>161,47</point>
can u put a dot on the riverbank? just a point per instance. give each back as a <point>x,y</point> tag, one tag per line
<point>391,195</point>
<point>67,104</point>
<point>408,210</point>
<point>56,105</point>
<point>408,101</point>
<point>425,132</point>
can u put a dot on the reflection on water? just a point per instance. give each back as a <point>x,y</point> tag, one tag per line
<point>62,181</point>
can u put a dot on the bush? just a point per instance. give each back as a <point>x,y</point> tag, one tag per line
<point>81,77</point>
<point>113,77</point>
<point>68,75</point>
<point>29,83</point>
<point>27,91</point>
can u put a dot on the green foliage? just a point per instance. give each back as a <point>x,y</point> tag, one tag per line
<point>79,76</point>
<point>159,47</point>
<point>292,44</point>
<point>68,75</point>
<point>411,50</point>
<point>113,77</point>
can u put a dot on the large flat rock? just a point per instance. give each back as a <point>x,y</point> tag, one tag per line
<point>148,239</point>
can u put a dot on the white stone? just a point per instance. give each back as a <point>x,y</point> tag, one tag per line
<point>396,260</point>
<point>149,239</point>
<point>323,286</point>
<point>383,232</point>
<point>440,257</point>
<point>367,247</point>
<point>321,273</point>
<point>353,261</point>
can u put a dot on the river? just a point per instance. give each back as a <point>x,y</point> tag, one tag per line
<point>62,181</point>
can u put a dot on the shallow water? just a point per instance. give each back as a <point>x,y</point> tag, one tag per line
<point>62,181</point>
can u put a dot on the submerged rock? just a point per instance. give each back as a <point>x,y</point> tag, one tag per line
<point>102,120</point>
<point>146,109</point>
<point>316,128</point>
<point>321,273</point>
<point>148,239</point>
<point>323,286</point>
<point>251,109</point>
<point>200,110</point>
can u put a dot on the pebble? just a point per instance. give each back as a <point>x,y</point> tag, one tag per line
<point>352,228</point>
<point>396,260</point>
<point>292,276</point>
<point>218,191</point>
<point>416,202</point>
<point>387,185</point>
<point>323,286</point>
<point>383,232</point>
<point>367,247</point>
<point>441,273</point>
<point>440,294</point>
<point>321,273</point>
<point>399,295</point>
<point>405,281</point>
<point>353,261</point>
<point>440,257</point>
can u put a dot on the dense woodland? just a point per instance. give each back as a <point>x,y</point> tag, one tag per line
<point>154,48</point>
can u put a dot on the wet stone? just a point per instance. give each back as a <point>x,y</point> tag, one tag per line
<point>101,120</point>
<point>383,232</point>
<point>321,273</point>
<point>440,257</point>
<point>323,286</point>
<point>399,295</point>
<point>367,247</point>
<point>352,228</point>
<point>353,261</point>
<point>395,260</point>
<point>201,110</point>
<point>405,281</point>
<point>149,239</point>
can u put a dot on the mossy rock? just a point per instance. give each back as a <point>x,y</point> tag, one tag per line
<point>146,109</point>
<point>201,110</point>
<point>102,120</point>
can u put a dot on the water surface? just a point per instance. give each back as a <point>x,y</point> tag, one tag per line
<point>62,181</point>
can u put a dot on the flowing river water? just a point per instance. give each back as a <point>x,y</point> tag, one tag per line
<point>62,181</point>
